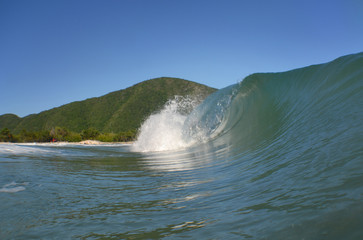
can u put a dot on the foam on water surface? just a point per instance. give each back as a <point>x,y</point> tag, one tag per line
<point>13,187</point>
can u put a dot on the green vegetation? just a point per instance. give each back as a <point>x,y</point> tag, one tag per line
<point>63,135</point>
<point>6,136</point>
<point>114,117</point>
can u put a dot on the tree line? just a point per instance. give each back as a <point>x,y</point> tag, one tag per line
<point>61,134</point>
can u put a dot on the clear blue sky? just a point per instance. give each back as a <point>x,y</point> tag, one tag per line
<point>53,52</point>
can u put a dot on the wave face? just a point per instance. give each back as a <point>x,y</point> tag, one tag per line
<point>317,107</point>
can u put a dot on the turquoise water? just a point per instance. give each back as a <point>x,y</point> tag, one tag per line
<point>277,156</point>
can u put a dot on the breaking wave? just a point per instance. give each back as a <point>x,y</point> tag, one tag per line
<point>312,105</point>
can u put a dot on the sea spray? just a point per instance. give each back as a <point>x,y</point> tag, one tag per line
<point>163,130</point>
<point>183,122</point>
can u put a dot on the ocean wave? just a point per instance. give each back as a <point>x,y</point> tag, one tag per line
<point>312,103</point>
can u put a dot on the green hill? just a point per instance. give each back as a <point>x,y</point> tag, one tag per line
<point>118,111</point>
<point>9,121</point>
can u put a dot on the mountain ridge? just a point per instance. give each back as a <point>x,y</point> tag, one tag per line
<point>120,110</point>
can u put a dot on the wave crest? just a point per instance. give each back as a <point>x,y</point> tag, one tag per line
<point>162,131</point>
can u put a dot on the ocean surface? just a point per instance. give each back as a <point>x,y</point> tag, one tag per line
<point>277,156</point>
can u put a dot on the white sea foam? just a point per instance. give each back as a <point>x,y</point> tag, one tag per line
<point>164,130</point>
<point>13,187</point>
<point>22,149</point>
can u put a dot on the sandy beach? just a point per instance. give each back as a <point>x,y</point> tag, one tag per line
<point>85,142</point>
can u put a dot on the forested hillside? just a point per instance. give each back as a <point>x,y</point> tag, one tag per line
<point>119,111</point>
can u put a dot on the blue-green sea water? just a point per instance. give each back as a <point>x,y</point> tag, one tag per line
<point>277,156</point>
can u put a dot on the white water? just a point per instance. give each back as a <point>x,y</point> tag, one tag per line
<point>13,187</point>
<point>177,126</point>
<point>24,148</point>
<point>163,131</point>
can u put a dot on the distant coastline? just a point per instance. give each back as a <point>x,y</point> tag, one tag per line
<point>85,142</point>
<point>96,142</point>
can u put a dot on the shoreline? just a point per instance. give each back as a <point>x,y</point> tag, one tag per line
<point>85,142</point>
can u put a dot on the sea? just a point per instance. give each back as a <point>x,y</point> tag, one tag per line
<point>276,156</point>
